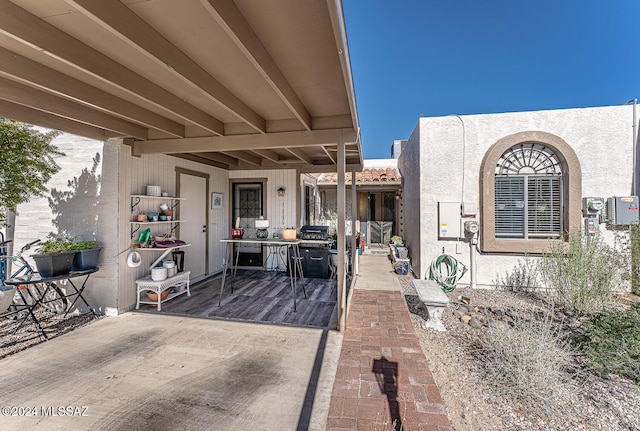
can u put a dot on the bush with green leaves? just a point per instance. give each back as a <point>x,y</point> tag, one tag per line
<point>611,343</point>
<point>27,161</point>
<point>61,244</point>
<point>55,245</point>
<point>527,361</point>
<point>583,276</point>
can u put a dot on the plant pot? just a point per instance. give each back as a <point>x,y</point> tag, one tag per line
<point>53,265</point>
<point>154,296</point>
<point>86,259</point>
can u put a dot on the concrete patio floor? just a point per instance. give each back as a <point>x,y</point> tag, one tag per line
<point>148,371</point>
<point>141,371</point>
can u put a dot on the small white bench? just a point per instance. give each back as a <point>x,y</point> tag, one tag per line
<point>432,296</point>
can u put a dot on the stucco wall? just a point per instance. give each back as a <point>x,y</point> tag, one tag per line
<point>409,165</point>
<point>451,149</point>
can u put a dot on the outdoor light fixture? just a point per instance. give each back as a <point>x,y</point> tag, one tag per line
<point>281,191</point>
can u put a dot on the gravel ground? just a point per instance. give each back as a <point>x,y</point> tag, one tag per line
<point>28,335</point>
<point>589,403</point>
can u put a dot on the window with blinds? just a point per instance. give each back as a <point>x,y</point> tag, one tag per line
<point>528,193</point>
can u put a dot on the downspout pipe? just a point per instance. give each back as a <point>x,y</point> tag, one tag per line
<point>635,147</point>
<point>634,183</point>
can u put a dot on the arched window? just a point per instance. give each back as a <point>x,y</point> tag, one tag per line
<point>531,186</point>
<point>528,193</point>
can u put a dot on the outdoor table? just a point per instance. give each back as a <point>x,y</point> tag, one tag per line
<point>36,278</point>
<point>293,254</point>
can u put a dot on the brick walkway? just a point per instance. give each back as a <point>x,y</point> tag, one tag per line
<point>382,375</point>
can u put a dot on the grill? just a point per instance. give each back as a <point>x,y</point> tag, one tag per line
<point>315,259</point>
<point>314,232</point>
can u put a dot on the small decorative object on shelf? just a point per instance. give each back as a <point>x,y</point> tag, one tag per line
<point>261,228</point>
<point>237,233</point>
<point>153,191</point>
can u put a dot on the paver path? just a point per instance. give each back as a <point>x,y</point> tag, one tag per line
<point>383,377</point>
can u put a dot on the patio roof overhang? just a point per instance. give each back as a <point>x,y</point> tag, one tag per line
<point>238,84</point>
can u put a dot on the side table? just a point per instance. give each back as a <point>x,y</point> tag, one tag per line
<point>147,284</point>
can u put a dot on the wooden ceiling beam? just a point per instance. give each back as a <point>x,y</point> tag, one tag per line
<point>28,29</point>
<point>245,156</point>
<point>198,158</point>
<point>221,158</point>
<point>245,142</point>
<point>269,155</point>
<point>300,154</point>
<point>22,69</point>
<point>43,119</point>
<point>124,23</point>
<point>328,153</point>
<point>23,95</point>
<point>229,17</point>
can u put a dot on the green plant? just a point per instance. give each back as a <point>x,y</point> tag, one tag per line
<point>522,278</point>
<point>84,245</point>
<point>28,162</point>
<point>583,277</point>
<point>55,245</point>
<point>611,343</point>
<point>527,361</point>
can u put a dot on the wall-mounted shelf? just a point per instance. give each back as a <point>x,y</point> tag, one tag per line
<point>136,199</point>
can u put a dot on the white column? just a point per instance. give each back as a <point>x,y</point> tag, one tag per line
<point>355,225</point>
<point>342,275</point>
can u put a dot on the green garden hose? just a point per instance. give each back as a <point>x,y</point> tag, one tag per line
<point>454,271</point>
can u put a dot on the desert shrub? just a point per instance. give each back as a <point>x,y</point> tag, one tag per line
<point>522,278</point>
<point>611,343</point>
<point>527,362</point>
<point>583,276</point>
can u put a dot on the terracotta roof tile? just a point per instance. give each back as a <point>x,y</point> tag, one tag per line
<point>368,175</point>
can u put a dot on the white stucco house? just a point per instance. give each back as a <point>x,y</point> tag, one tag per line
<point>521,176</point>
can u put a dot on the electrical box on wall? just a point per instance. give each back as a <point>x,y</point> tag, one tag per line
<point>449,220</point>
<point>592,206</point>
<point>622,210</point>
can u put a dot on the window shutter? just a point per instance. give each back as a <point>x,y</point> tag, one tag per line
<point>510,208</point>
<point>544,209</point>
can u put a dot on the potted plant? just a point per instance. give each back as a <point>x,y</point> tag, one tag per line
<point>87,254</point>
<point>54,257</point>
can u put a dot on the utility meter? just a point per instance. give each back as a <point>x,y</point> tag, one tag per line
<point>592,206</point>
<point>471,226</point>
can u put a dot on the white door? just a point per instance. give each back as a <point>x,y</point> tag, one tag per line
<point>193,210</point>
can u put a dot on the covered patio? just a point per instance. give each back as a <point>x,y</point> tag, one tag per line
<point>260,297</point>
<point>228,85</point>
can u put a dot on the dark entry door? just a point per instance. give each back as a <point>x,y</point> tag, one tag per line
<point>248,206</point>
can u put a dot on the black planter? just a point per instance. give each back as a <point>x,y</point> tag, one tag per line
<point>86,259</point>
<point>52,265</point>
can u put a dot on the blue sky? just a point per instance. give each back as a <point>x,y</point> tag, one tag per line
<point>441,57</point>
